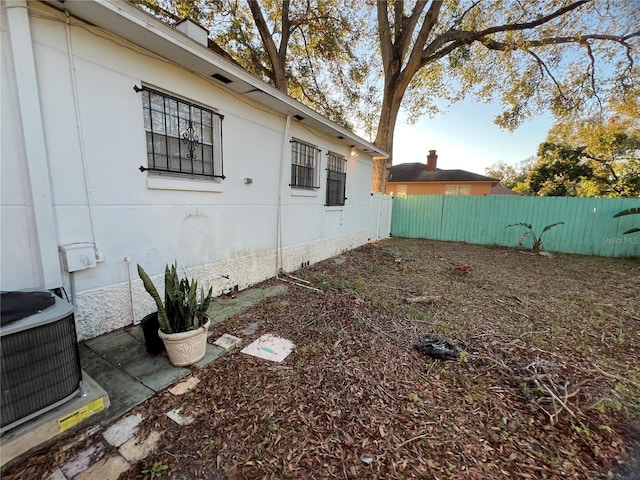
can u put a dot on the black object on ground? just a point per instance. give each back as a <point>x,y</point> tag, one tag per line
<point>152,340</point>
<point>439,349</point>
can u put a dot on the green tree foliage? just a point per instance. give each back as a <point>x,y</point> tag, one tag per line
<point>595,157</point>
<point>510,175</point>
<point>559,171</point>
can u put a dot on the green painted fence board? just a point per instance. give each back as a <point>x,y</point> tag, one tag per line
<point>589,227</point>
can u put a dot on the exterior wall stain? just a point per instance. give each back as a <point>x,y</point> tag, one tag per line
<point>102,310</point>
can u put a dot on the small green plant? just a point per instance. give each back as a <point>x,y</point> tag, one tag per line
<point>536,239</point>
<point>183,309</point>
<point>155,471</point>
<point>463,357</point>
<point>629,211</point>
<point>412,397</point>
<point>581,429</point>
<point>605,428</point>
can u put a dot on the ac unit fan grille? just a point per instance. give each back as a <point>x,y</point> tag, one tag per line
<point>40,366</point>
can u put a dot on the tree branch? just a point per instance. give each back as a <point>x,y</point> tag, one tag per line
<point>384,34</point>
<point>267,40</point>
<point>544,68</point>
<point>285,33</point>
<point>403,40</point>
<point>512,27</point>
<point>433,51</point>
<point>430,20</point>
<point>313,73</point>
<point>459,20</point>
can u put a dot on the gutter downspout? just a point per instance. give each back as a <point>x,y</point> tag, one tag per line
<point>40,201</point>
<point>283,158</point>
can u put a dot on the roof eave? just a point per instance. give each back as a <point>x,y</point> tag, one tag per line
<point>141,28</point>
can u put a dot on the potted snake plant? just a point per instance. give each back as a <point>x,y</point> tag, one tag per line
<point>182,316</point>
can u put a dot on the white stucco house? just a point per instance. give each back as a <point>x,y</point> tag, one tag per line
<point>126,141</point>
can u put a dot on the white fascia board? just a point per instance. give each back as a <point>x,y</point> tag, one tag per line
<point>141,28</point>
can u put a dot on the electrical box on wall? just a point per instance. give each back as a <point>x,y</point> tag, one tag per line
<point>78,256</point>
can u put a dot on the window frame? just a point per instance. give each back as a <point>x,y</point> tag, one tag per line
<point>336,177</point>
<point>189,139</point>
<point>458,186</point>
<point>305,165</point>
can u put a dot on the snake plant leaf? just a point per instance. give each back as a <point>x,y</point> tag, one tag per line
<point>151,289</point>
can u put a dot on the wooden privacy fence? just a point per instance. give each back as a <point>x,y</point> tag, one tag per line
<point>588,229</point>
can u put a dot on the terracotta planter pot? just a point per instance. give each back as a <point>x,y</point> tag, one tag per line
<point>186,348</point>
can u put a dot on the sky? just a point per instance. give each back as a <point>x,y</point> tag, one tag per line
<point>466,138</point>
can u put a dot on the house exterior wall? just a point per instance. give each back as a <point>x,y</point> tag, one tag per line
<point>95,143</point>
<point>437,188</point>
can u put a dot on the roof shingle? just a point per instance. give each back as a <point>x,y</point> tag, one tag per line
<point>417,172</point>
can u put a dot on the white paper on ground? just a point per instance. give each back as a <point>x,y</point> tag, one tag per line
<point>270,347</point>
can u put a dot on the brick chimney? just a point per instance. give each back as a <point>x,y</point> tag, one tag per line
<point>432,160</point>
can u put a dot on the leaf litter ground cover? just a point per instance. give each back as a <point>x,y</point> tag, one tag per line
<point>546,383</point>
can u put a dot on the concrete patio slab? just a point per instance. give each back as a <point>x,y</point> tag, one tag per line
<point>118,348</point>
<point>155,372</point>
<point>125,392</point>
<point>137,333</point>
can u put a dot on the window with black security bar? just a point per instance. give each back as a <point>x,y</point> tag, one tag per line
<point>336,179</point>
<point>182,138</point>
<point>305,160</point>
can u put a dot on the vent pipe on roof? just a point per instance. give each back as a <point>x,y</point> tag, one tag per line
<point>432,161</point>
<point>194,31</point>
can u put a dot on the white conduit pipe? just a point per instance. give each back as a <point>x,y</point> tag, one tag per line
<point>83,159</point>
<point>283,158</point>
<point>133,307</point>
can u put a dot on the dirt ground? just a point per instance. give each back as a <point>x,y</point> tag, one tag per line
<point>546,383</point>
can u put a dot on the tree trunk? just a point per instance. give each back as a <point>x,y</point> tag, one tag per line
<point>384,138</point>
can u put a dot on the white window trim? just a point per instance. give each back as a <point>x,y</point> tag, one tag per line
<point>187,184</point>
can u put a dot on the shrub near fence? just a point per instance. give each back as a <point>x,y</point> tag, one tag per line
<point>589,227</point>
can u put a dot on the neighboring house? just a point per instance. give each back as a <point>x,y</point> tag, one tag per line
<point>421,179</point>
<point>500,190</point>
<point>127,141</point>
